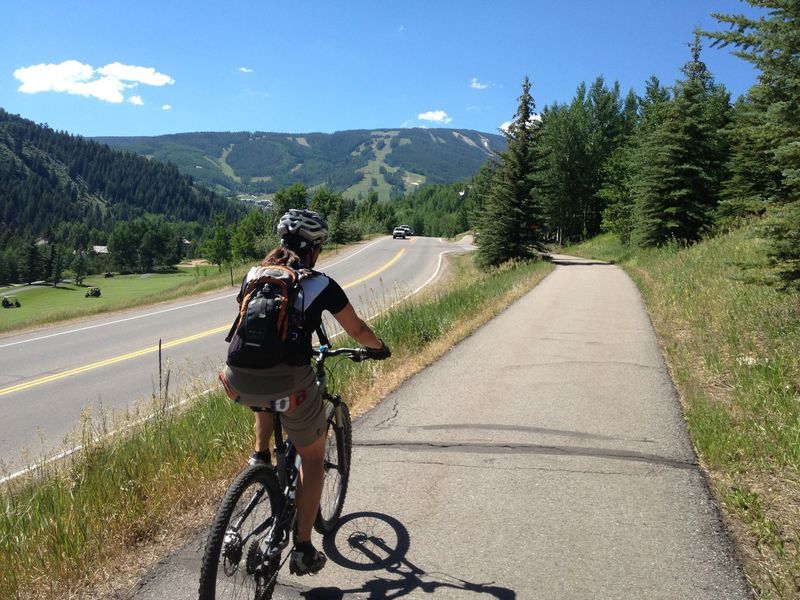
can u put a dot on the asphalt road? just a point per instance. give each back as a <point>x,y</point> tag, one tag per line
<point>545,456</point>
<point>50,376</point>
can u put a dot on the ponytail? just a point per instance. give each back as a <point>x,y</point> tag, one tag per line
<point>280,256</point>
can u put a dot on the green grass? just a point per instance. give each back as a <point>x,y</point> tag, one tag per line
<point>118,495</point>
<point>732,340</point>
<point>47,304</point>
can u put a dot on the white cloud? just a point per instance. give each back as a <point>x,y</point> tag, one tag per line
<point>167,107</point>
<point>137,100</point>
<point>145,75</point>
<point>477,85</point>
<point>73,77</point>
<point>245,70</point>
<point>535,118</point>
<point>437,116</point>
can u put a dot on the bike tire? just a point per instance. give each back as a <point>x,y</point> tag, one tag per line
<point>334,489</point>
<point>224,572</point>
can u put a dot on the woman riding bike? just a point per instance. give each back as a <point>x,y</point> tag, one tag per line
<point>302,234</point>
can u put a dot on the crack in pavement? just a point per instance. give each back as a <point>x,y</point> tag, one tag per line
<point>496,467</point>
<point>610,453</point>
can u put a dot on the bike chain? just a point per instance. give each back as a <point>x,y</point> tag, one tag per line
<point>275,575</point>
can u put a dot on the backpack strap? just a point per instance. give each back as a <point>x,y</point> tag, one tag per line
<point>264,276</point>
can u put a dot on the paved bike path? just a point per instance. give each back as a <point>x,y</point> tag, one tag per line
<point>545,456</point>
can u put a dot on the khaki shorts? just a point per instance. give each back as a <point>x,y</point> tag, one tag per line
<point>305,422</point>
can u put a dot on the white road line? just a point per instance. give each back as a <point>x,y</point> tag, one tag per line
<point>351,255</point>
<point>158,312</point>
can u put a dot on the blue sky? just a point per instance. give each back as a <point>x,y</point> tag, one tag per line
<point>98,68</point>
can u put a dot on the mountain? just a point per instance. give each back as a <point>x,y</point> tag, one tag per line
<point>48,178</point>
<point>389,161</point>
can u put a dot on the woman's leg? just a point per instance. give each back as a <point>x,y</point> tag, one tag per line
<point>309,489</point>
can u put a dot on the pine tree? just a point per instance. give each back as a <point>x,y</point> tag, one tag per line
<point>771,44</point>
<point>510,225</point>
<point>753,177</point>
<point>675,187</point>
<point>79,266</point>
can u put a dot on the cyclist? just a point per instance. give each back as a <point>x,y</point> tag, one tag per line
<point>302,234</point>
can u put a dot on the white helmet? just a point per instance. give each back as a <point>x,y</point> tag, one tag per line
<point>300,227</point>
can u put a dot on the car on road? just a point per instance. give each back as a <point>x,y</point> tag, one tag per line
<point>11,302</point>
<point>409,233</point>
<point>399,232</point>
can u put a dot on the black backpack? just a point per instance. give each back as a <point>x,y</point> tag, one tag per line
<point>268,330</point>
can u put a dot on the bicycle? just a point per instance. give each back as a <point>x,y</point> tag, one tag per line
<point>254,522</point>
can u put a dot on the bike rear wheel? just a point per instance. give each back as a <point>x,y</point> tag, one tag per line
<point>233,563</point>
<point>338,451</point>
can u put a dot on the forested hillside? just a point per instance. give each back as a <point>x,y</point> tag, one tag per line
<point>74,192</point>
<point>49,177</point>
<point>356,162</point>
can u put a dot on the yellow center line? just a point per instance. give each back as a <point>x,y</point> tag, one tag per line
<point>173,343</point>
<point>377,272</point>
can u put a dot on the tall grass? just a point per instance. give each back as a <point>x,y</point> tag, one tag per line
<point>67,522</point>
<point>732,340</point>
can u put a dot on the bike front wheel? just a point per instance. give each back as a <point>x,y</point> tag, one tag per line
<point>338,451</point>
<point>234,564</point>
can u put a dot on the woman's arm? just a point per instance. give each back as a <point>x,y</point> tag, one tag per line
<point>356,328</point>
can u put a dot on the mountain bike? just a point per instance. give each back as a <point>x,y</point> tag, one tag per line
<point>254,522</point>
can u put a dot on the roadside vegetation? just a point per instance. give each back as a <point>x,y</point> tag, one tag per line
<point>47,304</point>
<point>732,341</point>
<point>44,304</point>
<point>73,528</point>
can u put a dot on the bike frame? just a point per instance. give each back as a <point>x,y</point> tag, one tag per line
<point>288,463</point>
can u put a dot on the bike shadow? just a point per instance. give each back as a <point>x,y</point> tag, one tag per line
<point>372,541</point>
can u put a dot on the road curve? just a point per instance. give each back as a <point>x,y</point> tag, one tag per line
<point>51,375</point>
<point>545,456</point>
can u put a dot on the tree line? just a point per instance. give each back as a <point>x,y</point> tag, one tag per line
<point>60,195</point>
<point>253,236</point>
<point>671,166</point>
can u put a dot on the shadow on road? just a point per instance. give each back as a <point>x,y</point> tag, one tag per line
<point>371,541</point>
<point>571,261</point>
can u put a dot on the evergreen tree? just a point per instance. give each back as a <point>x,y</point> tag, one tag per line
<point>58,265</point>
<point>753,177</point>
<point>511,222</point>
<point>79,266</point>
<point>31,261</point>
<point>771,44</point>
<point>676,189</point>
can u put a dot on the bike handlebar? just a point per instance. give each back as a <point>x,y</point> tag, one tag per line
<point>354,354</point>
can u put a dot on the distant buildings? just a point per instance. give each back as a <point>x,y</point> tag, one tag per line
<point>262,202</point>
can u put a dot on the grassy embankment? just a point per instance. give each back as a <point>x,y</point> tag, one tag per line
<point>732,341</point>
<point>69,528</point>
<point>46,304</point>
